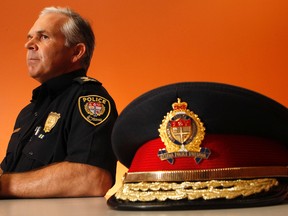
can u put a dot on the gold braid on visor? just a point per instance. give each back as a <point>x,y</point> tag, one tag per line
<point>162,185</point>
<point>214,189</point>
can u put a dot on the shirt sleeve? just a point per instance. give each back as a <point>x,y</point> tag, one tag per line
<point>89,138</point>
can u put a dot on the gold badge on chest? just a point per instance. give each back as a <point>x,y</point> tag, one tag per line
<point>51,121</point>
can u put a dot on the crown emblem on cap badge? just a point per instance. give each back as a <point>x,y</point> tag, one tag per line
<point>182,133</point>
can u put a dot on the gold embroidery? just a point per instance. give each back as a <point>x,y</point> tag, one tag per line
<point>214,189</point>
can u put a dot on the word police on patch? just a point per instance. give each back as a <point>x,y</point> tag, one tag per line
<point>94,108</point>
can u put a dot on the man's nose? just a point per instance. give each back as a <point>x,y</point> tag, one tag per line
<point>31,44</point>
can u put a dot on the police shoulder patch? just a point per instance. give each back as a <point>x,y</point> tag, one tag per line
<point>94,109</point>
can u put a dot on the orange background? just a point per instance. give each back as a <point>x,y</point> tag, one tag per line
<point>143,44</point>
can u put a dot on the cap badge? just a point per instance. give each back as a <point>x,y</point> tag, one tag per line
<point>182,133</point>
<point>51,121</point>
<point>94,108</point>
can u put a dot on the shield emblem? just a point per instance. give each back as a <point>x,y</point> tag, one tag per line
<point>96,109</point>
<point>181,129</point>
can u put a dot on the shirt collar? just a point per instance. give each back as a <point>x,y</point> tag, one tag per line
<point>55,86</point>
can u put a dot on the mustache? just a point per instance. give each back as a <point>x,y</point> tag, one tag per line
<point>32,56</point>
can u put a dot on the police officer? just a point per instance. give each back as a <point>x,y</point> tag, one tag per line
<point>60,146</point>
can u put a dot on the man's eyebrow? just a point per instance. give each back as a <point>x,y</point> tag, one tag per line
<point>37,32</point>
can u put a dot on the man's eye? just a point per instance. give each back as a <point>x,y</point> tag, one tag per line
<point>44,37</point>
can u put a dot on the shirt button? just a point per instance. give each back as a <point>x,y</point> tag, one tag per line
<point>35,114</point>
<point>30,153</point>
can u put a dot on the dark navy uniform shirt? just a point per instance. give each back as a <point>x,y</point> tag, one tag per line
<point>70,118</point>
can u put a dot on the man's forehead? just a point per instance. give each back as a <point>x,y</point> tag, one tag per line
<point>48,23</point>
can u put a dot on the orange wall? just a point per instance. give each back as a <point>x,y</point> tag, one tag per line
<point>142,44</point>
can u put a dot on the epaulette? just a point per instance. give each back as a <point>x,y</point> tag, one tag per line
<point>85,79</point>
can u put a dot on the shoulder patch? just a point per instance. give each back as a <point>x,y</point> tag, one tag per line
<point>94,109</point>
<point>85,79</point>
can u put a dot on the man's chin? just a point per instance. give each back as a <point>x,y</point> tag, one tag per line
<point>35,75</point>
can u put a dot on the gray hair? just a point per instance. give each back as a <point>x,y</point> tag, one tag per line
<point>76,30</point>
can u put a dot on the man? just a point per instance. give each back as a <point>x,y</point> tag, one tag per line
<point>60,146</point>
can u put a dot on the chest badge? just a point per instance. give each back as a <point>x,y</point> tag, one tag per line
<point>94,108</point>
<point>182,133</point>
<point>51,121</point>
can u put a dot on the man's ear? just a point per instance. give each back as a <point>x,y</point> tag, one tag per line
<point>78,51</point>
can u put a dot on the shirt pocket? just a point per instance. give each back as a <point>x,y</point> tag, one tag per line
<point>41,150</point>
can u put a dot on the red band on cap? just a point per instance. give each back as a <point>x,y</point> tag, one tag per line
<point>227,151</point>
